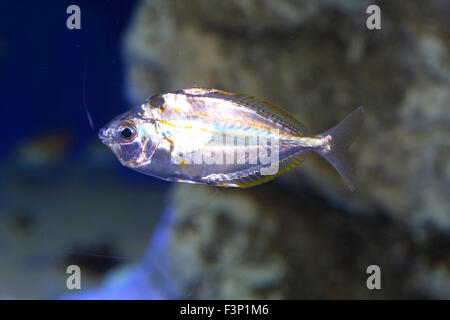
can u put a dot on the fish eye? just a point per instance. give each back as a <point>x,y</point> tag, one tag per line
<point>127,131</point>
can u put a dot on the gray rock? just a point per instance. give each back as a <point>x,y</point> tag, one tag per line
<point>227,244</point>
<point>317,60</point>
<point>271,243</point>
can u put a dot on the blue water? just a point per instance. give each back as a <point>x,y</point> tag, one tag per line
<point>85,198</point>
<point>49,72</point>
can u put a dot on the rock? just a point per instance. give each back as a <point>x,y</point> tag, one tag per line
<point>318,60</point>
<point>304,235</point>
<point>227,244</point>
<point>234,244</point>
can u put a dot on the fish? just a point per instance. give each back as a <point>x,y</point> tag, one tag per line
<point>214,137</point>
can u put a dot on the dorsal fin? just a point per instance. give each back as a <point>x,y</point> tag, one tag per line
<point>260,106</point>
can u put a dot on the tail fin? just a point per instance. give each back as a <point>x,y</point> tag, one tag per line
<point>340,138</point>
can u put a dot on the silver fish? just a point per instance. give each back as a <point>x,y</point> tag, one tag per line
<point>210,136</point>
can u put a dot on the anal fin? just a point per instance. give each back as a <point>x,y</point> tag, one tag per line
<point>246,179</point>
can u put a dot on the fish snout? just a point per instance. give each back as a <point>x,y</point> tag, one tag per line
<point>105,135</point>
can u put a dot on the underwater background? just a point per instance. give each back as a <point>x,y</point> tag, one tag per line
<point>66,200</point>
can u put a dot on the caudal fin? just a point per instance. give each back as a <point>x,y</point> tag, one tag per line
<point>340,138</point>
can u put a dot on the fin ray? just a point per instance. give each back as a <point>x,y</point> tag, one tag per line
<point>260,106</point>
<point>249,178</point>
<point>341,137</point>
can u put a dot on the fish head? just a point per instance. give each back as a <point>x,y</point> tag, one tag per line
<point>131,137</point>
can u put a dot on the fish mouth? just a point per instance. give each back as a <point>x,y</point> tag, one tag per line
<point>104,135</point>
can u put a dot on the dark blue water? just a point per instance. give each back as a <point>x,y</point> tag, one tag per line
<point>48,72</point>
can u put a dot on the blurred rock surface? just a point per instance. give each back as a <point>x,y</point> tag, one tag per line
<point>228,244</point>
<point>317,60</point>
<point>272,243</point>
